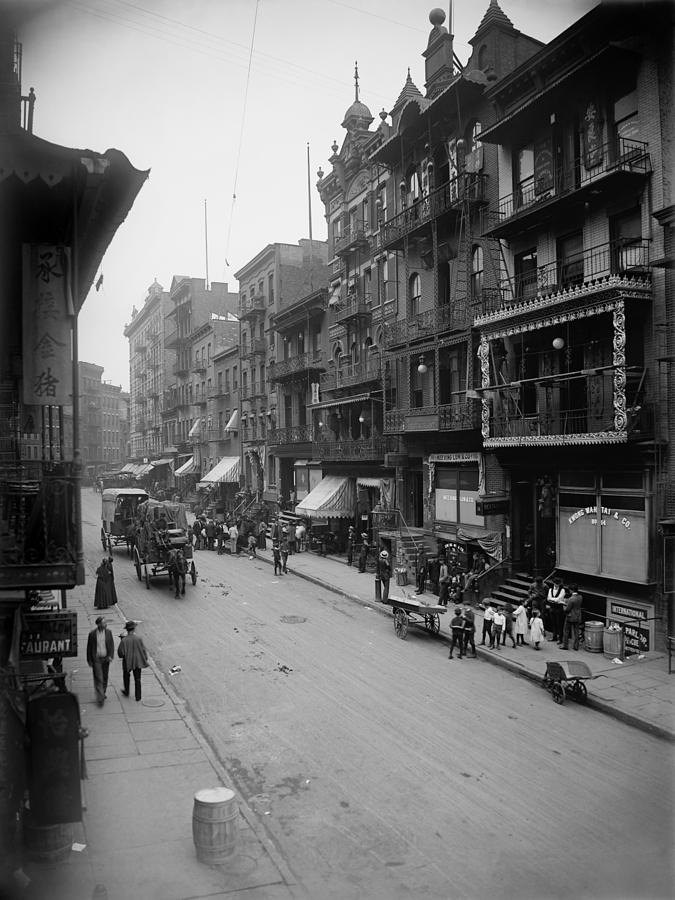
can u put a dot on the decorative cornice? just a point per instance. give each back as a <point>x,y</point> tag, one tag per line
<point>559,440</point>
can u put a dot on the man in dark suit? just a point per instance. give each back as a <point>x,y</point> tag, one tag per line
<point>572,623</point>
<point>134,658</point>
<point>100,652</point>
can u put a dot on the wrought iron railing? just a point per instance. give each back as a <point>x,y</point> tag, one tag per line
<point>619,154</point>
<point>39,525</point>
<point>354,236</point>
<point>612,258</point>
<point>353,306</point>
<point>367,448</point>
<point>252,306</point>
<point>427,324</point>
<point>353,373</point>
<point>292,434</point>
<point>639,420</point>
<point>302,362</point>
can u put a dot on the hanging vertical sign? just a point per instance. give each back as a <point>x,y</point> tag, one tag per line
<point>47,326</point>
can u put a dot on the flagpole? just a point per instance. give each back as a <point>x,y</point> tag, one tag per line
<point>206,244</point>
<point>309,204</point>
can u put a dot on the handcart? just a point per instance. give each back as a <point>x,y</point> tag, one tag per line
<point>566,679</point>
<point>414,612</point>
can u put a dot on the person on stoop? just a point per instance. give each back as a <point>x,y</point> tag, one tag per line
<point>488,616</point>
<point>134,658</point>
<point>100,653</point>
<point>537,634</point>
<point>457,630</point>
<point>498,625</point>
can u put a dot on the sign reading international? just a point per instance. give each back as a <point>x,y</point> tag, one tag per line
<point>48,634</point>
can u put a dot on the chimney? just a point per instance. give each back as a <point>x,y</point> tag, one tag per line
<point>438,55</point>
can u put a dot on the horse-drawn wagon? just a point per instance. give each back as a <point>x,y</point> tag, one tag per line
<point>119,510</point>
<point>162,540</point>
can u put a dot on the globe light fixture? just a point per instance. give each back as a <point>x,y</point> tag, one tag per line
<point>558,343</point>
<point>422,368</point>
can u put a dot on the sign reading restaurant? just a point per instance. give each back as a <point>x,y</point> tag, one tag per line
<point>49,634</point>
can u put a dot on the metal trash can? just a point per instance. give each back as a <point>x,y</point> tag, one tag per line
<point>593,636</point>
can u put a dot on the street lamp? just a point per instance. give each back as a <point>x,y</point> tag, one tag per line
<point>422,368</point>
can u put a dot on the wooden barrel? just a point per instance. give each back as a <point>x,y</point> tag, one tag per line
<point>612,642</point>
<point>593,636</point>
<point>48,843</point>
<point>215,824</point>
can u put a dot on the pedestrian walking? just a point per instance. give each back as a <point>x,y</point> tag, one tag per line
<point>508,611</point>
<point>457,631</point>
<point>210,534</point>
<point>556,601</point>
<point>572,623</point>
<point>292,539</point>
<point>262,534</point>
<point>469,630</point>
<point>351,540</point>
<point>233,533</point>
<point>384,574</point>
<point>520,618</point>
<point>105,595</point>
<point>100,652</point>
<point>134,658</point>
<point>276,556</point>
<point>197,534</point>
<point>537,634</point>
<point>498,624</point>
<point>252,544</point>
<point>283,546</point>
<point>220,537</point>
<point>488,616</point>
<point>434,570</point>
<point>363,553</point>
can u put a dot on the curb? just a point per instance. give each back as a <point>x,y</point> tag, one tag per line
<point>593,703</point>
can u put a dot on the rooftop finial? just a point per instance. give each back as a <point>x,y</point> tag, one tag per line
<point>356,81</point>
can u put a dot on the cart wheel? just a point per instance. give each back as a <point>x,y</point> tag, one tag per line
<point>580,692</point>
<point>400,624</point>
<point>147,577</point>
<point>546,683</point>
<point>193,573</point>
<point>137,564</point>
<point>432,622</point>
<point>558,692</point>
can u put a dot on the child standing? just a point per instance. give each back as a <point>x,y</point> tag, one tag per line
<point>536,629</point>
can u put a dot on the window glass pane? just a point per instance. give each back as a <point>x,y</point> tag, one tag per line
<point>625,481</point>
<point>468,479</point>
<point>446,478</point>
<point>623,501</point>
<point>577,480</point>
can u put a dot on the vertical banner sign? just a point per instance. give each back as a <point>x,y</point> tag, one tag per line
<point>47,311</point>
<point>54,759</point>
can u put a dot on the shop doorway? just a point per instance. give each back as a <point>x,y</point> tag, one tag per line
<point>534,522</point>
<point>415,505</point>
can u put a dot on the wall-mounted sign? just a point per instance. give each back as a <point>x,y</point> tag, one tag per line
<point>48,634</point>
<point>600,516</point>
<point>492,506</point>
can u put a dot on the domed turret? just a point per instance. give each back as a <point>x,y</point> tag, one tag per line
<point>358,117</point>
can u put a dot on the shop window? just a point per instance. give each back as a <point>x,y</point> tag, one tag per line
<point>456,494</point>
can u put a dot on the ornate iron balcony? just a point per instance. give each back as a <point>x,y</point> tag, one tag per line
<point>292,434</point>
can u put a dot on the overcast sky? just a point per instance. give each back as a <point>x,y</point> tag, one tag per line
<point>165,81</point>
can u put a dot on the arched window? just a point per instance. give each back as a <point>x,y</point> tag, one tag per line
<point>413,185</point>
<point>476,271</point>
<point>415,293</point>
<point>337,354</point>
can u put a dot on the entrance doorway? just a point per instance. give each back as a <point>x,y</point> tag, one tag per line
<point>415,504</point>
<point>534,522</point>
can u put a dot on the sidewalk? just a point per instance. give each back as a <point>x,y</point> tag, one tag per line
<point>638,691</point>
<point>139,794</point>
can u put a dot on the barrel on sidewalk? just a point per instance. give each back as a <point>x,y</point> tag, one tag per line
<point>593,636</point>
<point>612,642</point>
<point>215,824</point>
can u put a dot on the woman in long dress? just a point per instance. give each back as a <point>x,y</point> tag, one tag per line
<point>104,595</point>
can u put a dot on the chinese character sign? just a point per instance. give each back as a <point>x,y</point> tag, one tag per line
<point>47,326</point>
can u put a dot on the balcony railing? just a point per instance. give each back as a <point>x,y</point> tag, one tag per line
<point>219,434</point>
<point>352,374</point>
<point>253,432</point>
<point>219,391</point>
<point>462,415</point>
<point>252,391</point>
<point>365,449</point>
<point>38,526</point>
<point>354,306</point>
<point>620,155</point>
<point>256,347</point>
<point>354,236</point>
<point>201,399</point>
<point>252,306</point>
<point>448,197</point>
<point>199,368</point>
<point>429,323</point>
<point>303,362</point>
<point>568,423</point>
<point>613,258</point>
<point>181,368</point>
<point>292,434</point>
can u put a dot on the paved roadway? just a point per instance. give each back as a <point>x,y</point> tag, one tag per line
<point>381,769</point>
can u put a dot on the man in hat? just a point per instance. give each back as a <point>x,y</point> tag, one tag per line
<point>363,554</point>
<point>351,540</point>
<point>134,657</point>
<point>555,609</point>
<point>100,652</point>
<point>384,574</point>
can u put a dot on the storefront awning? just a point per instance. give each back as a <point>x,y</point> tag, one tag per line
<point>366,481</point>
<point>129,467</point>
<point>359,398</point>
<point>196,429</point>
<point>156,463</point>
<point>228,469</point>
<point>188,468</point>
<point>233,423</point>
<point>143,470</point>
<point>333,498</point>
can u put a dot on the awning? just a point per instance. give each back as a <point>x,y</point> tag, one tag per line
<point>364,481</point>
<point>227,469</point>
<point>359,398</point>
<point>333,498</point>
<point>143,470</point>
<point>195,431</point>
<point>161,462</point>
<point>129,467</point>
<point>188,468</point>
<point>233,423</point>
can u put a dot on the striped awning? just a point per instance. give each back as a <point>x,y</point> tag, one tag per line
<point>188,468</point>
<point>333,498</point>
<point>228,469</point>
<point>233,423</point>
<point>358,398</point>
<point>161,462</point>
<point>196,429</point>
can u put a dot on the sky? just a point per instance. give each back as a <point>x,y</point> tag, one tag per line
<point>220,99</point>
